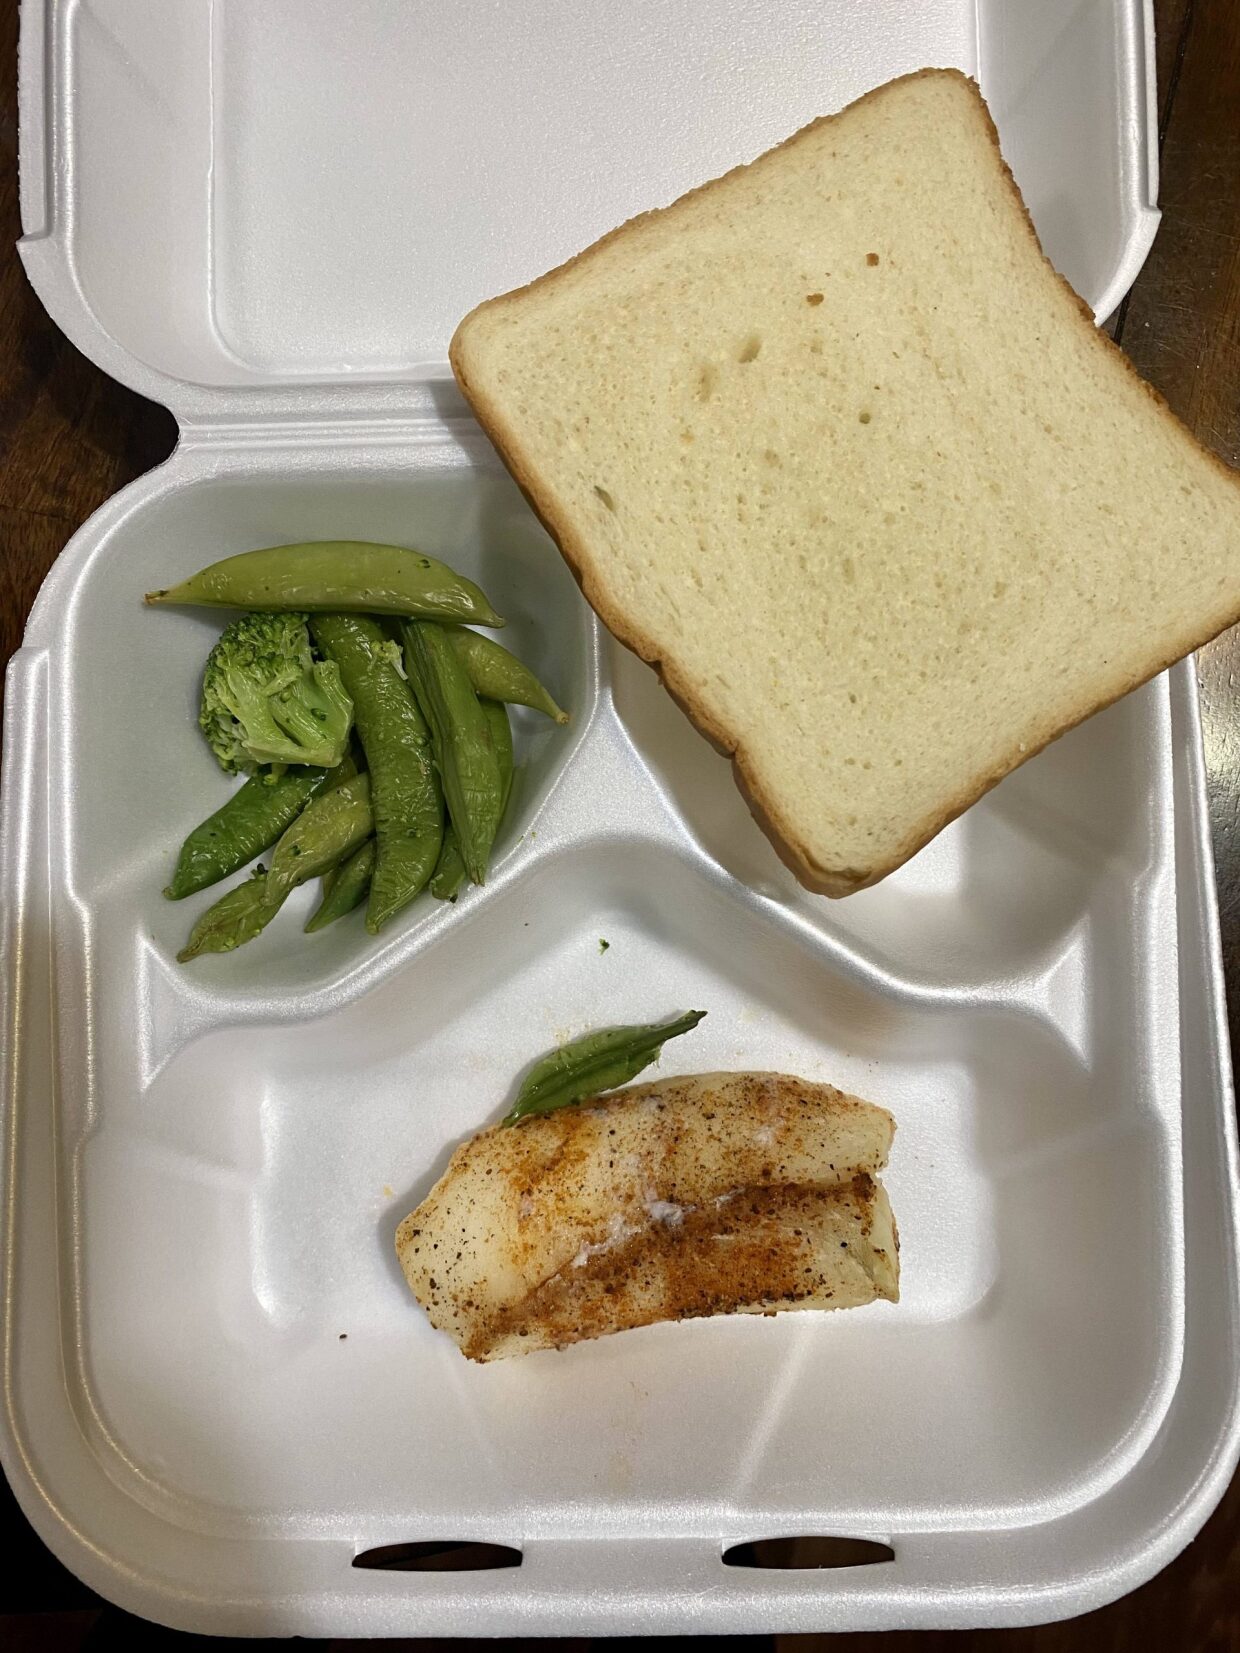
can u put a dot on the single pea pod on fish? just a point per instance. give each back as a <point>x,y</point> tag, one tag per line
<point>595,1063</point>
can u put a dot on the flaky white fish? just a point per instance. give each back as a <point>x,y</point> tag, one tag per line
<point>714,1193</point>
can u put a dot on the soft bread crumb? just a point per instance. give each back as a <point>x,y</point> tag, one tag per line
<point>977,527</point>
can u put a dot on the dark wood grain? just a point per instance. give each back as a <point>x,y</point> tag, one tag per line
<point>1173,18</point>
<point>1181,328</point>
<point>69,435</point>
<point>69,438</point>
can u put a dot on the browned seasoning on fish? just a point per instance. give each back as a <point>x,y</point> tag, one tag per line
<point>708,1194</point>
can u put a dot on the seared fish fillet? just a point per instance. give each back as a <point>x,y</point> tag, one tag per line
<point>715,1193</point>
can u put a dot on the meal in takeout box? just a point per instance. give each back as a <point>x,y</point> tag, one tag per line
<point>830,444</point>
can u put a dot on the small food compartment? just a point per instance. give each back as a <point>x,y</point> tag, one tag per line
<point>148,776</point>
<point>224,1407</point>
<point>1081,822</point>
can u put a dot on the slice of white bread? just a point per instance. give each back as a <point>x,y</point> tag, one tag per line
<point>829,443</point>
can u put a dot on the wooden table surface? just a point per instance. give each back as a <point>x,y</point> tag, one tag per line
<point>70,437</point>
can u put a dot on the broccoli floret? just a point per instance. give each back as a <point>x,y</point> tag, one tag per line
<point>391,652</point>
<point>266,699</point>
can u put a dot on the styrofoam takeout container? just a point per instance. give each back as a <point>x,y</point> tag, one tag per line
<point>217,1389</point>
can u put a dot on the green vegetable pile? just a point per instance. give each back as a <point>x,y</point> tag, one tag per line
<point>371,724</point>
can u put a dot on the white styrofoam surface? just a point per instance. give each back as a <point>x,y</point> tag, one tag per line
<point>223,200</point>
<point>270,218</point>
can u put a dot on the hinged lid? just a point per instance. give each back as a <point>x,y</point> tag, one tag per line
<point>280,211</point>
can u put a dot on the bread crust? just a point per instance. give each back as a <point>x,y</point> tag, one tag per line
<point>834,881</point>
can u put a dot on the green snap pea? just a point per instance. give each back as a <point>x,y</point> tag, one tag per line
<point>595,1063</point>
<point>449,872</point>
<point>353,763</point>
<point>330,827</point>
<point>345,888</point>
<point>405,794</point>
<point>237,917</point>
<point>501,744</point>
<point>353,576</point>
<point>497,674</point>
<point>250,822</point>
<point>463,744</point>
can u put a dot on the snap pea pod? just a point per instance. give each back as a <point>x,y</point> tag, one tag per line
<point>595,1063</point>
<point>353,576</point>
<point>237,917</point>
<point>464,751</point>
<point>250,822</point>
<point>353,763</point>
<point>497,674</point>
<point>345,888</point>
<point>501,743</point>
<point>405,794</point>
<point>330,827</point>
<point>449,872</point>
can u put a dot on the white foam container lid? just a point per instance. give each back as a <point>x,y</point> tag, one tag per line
<point>270,218</point>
